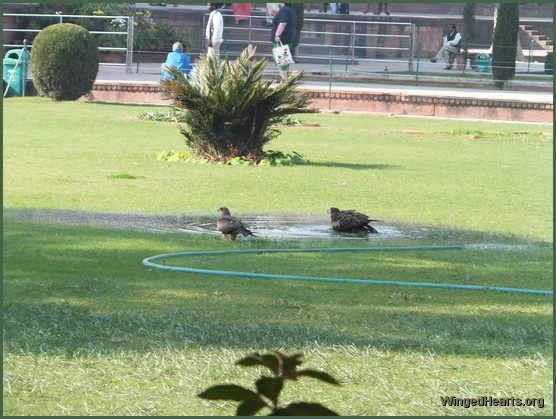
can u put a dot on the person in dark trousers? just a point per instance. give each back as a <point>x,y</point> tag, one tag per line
<point>380,8</point>
<point>383,7</point>
<point>322,7</point>
<point>283,31</point>
<point>450,43</point>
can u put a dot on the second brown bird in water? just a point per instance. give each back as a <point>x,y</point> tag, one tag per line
<point>350,221</point>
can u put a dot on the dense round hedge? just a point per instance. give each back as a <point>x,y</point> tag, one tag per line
<point>64,61</point>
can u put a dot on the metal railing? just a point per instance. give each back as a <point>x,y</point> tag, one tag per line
<point>374,50</point>
<point>128,33</point>
<point>354,41</point>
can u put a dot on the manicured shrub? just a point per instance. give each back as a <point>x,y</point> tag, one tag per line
<point>64,61</point>
<point>230,109</point>
<point>549,63</point>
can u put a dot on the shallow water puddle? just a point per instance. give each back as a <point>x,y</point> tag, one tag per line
<point>287,228</point>
<point>269,227</point>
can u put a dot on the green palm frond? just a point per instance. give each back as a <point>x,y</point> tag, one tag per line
<point>229,107</point>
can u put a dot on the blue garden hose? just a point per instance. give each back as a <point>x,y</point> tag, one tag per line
<point>148,262</point>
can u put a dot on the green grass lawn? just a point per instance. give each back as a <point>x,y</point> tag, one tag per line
<point>89,330</point>
<point>500,183</point>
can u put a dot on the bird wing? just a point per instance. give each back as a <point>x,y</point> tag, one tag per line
<point>228,223</point>
<point>349,219</point>
<point>360,216</point>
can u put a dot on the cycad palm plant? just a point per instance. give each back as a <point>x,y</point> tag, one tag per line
<point>229,108</point>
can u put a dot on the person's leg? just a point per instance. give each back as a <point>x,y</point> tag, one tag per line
<point>439,55</point>
<point>447,50</point>
<point>451,58</point>
<point>284,71</point>
<point>216,48</point>
<point>445,55</point>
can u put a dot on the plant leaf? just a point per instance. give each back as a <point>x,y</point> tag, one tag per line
<point>289,364</point>
<point>231,392</point>
<point>280,412</point>
<point>268,360</point>
<point>319,375</point>
<point>249,408</point>
<point>270,387</point>
<point>308,409</point>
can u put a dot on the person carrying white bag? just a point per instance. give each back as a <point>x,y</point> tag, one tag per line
<point>282,35</point>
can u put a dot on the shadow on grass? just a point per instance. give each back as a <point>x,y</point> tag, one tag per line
<point>124,105</point>
<point>70,329</point>
<point>355,166</point>
<point>82,290</point>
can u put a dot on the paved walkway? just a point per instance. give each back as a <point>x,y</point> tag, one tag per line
<point>149,73</point>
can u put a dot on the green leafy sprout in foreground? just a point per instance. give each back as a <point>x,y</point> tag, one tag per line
<point>284,368</point>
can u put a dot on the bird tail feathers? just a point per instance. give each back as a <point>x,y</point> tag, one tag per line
<point>370,229</point>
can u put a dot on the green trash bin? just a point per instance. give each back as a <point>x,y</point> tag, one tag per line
<point>482,63</point>
<point>16,66</point>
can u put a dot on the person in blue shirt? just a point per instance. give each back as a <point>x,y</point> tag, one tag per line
<point>177,58</point>
<point>283,31</point>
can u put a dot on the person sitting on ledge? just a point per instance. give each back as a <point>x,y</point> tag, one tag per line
<point>450,43</point>
<point>176,58</point>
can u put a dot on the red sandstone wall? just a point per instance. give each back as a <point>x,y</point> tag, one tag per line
<point>382,103</point>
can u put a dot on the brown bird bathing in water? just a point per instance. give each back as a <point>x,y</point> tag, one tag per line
<point>228,224</point>
<point>350,221</point>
